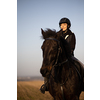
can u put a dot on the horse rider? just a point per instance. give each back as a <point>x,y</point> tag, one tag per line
<point>69,36</point>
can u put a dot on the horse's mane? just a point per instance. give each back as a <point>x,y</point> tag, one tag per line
<point>52,33</point>
<point>49,33</point>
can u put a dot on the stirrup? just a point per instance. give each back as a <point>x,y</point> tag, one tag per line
<point>43,88</point>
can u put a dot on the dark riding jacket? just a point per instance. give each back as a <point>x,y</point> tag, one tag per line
<point>70,38</point>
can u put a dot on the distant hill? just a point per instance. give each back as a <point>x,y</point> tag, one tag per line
<point>30,78</point>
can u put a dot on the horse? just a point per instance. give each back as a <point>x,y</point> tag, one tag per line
<point>65,82</point>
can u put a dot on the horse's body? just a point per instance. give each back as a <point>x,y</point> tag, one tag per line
<point>64,81</point>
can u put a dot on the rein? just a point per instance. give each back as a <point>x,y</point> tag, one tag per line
<point>56,63</point>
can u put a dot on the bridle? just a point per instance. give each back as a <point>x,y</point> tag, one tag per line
<point>59,48</point>
<point>58,64</point>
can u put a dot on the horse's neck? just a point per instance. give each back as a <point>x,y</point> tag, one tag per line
<point>62,71</point>
<point>62,57</point>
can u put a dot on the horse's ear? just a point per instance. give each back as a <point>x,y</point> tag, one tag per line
<point>42,31</point>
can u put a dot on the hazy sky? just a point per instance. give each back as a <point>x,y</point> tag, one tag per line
<point>32,15</point>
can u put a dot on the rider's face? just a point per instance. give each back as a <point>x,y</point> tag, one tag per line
<point>63,26</point>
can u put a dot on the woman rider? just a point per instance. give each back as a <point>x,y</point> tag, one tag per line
<point>69,36</point>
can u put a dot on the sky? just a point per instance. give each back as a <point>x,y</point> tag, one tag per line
<point>32,15</point>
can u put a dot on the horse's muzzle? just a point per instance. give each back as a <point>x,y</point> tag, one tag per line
<point>44,72</point>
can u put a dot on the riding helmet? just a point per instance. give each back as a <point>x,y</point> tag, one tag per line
<point>65,20</point>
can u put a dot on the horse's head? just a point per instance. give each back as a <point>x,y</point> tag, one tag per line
<point>50,47</point>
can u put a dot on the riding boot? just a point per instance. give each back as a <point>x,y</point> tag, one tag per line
<point>44,87</point>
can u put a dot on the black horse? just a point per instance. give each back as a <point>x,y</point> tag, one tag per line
<point>65,78</point>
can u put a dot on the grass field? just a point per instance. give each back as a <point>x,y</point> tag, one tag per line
<point>29,90</point>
